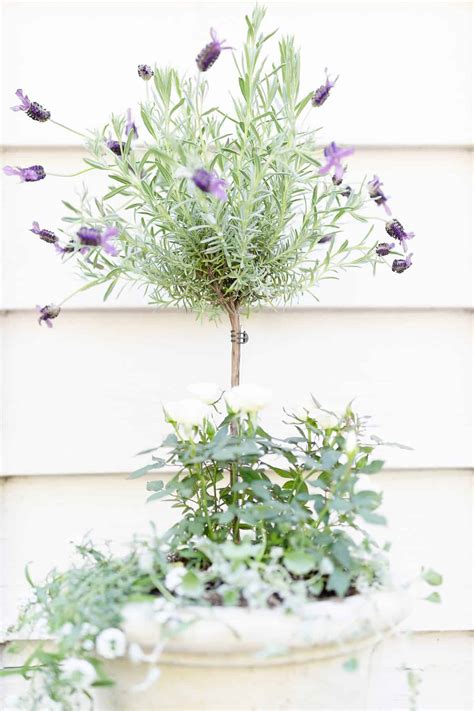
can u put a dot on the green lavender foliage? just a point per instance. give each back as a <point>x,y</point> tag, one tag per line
<point>185,247</point>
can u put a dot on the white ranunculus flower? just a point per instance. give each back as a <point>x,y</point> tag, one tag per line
<point>78,672</point>
<point>247,398</point>
<point>174,577</point>
<point>189,412</point>
<point>207,393</point>
<point>325,420</point>
<point>111,643</point>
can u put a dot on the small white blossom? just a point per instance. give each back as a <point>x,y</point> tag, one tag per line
<point>66,629</point>
<point>111,643</point>
<point>78,672</point>
<point>207,393</point>
<point>247,398</point>
<point>326,566</point>
<point>88,630</point>
<point>174,577</point>
<point>276,552</point>
<point>88,645</point>
<point>189,413</point>
<point>146,560</point>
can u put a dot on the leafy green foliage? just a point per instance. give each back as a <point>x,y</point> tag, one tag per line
<point>188,249</point>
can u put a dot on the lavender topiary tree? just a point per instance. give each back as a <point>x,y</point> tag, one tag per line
<point>220,211</point>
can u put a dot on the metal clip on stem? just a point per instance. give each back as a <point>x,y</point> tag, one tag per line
<point>239,336</point>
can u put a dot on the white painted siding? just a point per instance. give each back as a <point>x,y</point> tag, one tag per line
<point>79,400</point>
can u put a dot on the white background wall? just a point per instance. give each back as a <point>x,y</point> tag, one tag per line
<point>79,400</point>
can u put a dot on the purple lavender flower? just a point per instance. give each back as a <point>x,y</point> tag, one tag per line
<point>27,175</point>
<point>334,156</point>
<point>130,125</point>
<point>210,183</point>
<point>346,191</point>
<point>145,72</point>
<point>326,238</point>
<point>210,53</point>
<point>401,265</point>
<point>116,147</point>
<point>47,313</point>
<point>322,94</point>
<point>395,229</point>
<point>337,180</point>
<point>377,194</point>
<point>66,249</point>
<point>45,235</point>
<point>384,248</point>
<point>93,237</point>
<point>32,108</point>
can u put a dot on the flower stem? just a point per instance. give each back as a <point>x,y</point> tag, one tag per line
<point>73,130</point>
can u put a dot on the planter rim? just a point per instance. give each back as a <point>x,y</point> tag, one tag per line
<point>236,636</point>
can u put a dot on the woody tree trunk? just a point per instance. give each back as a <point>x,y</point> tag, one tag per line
<point>234,317</point>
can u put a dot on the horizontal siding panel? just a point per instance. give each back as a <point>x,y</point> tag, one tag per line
<point>438,211</point>
<point>108,508</point>
<point>385,94</point>
<point>86,395</point>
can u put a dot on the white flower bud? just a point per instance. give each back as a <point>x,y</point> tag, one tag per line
<point>78,672</point>
<point>248,399</point>
<point>189,413</point>
<point>326,420</point>
<point>174,577</point>
<point>207,393</point>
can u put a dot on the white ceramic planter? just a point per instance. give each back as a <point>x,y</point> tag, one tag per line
<point>237,658</point>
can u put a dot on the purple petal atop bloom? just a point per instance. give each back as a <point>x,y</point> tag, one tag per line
<point>145,72</point>
<point>210,53</point>
<point>93,237</point>
<point>396,230</point>
<point>25,102</point>
<point>45,235</point>
<point>377,194</point>
<point>210,183</point>
<point>130,126</point>
<point>27,175</point>
<point>334,155</point>
<point>384,248</point>
<point>32,108</point>
<point>47,313</point>
<point>322,94</point>
<point>401,265</point>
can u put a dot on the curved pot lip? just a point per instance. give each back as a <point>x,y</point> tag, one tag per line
<point>322,628</point>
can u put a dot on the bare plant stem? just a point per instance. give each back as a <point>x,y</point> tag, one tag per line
<point>234,317</point>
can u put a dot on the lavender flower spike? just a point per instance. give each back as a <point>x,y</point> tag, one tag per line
<point>93,237</point>
<point>45,235</point>
<point>27,175</point>
<point>145,72</point>
<point>47,313</point>
<point>209,55</point>
<point>322,94</point>
<point>396,230</point>
<point>130,125</point>
<point>334,156</point>
<point>32,108</point>
<point>401,265</point>
<point>210,183</point>
<point>377,194</point>
<point>116,147</point>
<point>384,248</point>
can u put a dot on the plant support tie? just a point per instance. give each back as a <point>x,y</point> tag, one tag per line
<point>239,336</point>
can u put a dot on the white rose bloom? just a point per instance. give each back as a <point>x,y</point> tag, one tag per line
<point>78,672</point>
<point>174,577</point>
<point>111,643</point>
<point>207,393</point>
<point>247,398</point>
<point>324,419</point>
<point>189,413</point>
<point>146,560</point>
